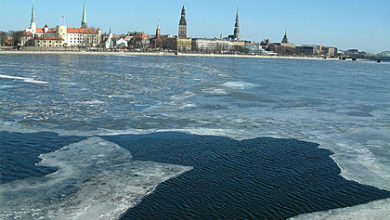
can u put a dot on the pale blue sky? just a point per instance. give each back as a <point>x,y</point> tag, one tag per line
<point>362,24</point>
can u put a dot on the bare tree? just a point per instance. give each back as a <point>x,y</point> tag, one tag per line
<point>3,37</point>
<point>16,36</point>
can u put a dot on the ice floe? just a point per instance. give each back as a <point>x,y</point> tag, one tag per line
<point>96,179</point>
<point>24,79</point>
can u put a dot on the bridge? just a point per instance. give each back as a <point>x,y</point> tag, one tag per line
<point>384,54</point>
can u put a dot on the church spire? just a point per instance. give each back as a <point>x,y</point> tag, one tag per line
<point>237,23</point>
<point>33,25</point>
<point>285,38</point>
<point>84,18</point>
<point>183,24</point>
<point>32,14</point>
<point>237,28</point>
<point>183,17</point>
<point>158,30</point>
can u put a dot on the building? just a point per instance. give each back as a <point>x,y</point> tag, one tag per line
<point>308,50</point>
<point>82,37</point>
<point>183,25</point>
<point>238,46</point>
<point>157,42</point>
<point>285,38</point>
<point>236,32</point>
<point>33,25</point>
<point>329,51</point>
<point>211,45</point>
<point>109,41</point>
<point>181,42</point>
<point>140,41</point>
<point>49,42</point>
<point>178,44</point>
<point>121,42</point>
<point>72,37</point>
<point>254,48</point>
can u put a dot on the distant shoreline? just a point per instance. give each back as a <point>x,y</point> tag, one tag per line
<point>162,54</point>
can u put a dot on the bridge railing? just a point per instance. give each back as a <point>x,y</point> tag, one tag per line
<point>382,54</point>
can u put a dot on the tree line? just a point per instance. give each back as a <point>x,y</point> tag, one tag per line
<point>10,38</point>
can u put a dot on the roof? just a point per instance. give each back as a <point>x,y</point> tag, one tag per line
<point>82,31</point>
<point>49,38</point>
<point>183,17</point>
<point>141,35</point>
<point>50,30</point>
<point>28,34</point>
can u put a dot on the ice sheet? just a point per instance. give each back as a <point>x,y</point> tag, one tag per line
<point>96,179</point>
<point>377,210</point>
<point>28,80</point>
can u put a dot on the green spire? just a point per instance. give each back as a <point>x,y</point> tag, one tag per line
<point>237,24</point>
<point>84,19</point>
<point>237,28</point>
<point>32,14</point>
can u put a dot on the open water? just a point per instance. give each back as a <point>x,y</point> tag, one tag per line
<point>144,137</point>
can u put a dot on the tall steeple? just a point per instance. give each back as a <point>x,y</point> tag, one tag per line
<point>32,14</point>
<point>158,41</point>
<point>33,25</point>
<point>237,28</point>
<point>84,18</point>
<point>285,38</point>
<point>183,24</point>
<point>158,30</point>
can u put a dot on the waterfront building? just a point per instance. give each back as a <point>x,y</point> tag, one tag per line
<point>82,37</point>
<point>157,41</point>
<point>140,41</point>
<point>177,44</point>
<point>265,43</point>
<point>308,50</point>
<point>253,48</point>
<point>211,45</point>
<point>283,48</point>
<point>121,42</point>
<point>109,41</point>
<point>181,42</point>
<point>33,25</point>
<point>285,38</point>
<point>286,48</point>
<point>330,51</point>
<point>238,46</point>
<point>49,42</point>
<point>236,33</point>
<point>70,37</point>
<point>183,25</point>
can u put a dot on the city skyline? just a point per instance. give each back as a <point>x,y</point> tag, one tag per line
<point>341,27</point>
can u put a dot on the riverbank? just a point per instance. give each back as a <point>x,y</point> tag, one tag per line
<point>162,54</point>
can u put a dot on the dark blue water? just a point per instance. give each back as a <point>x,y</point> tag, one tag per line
<point>262,178</point>
<point>19,153</point>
